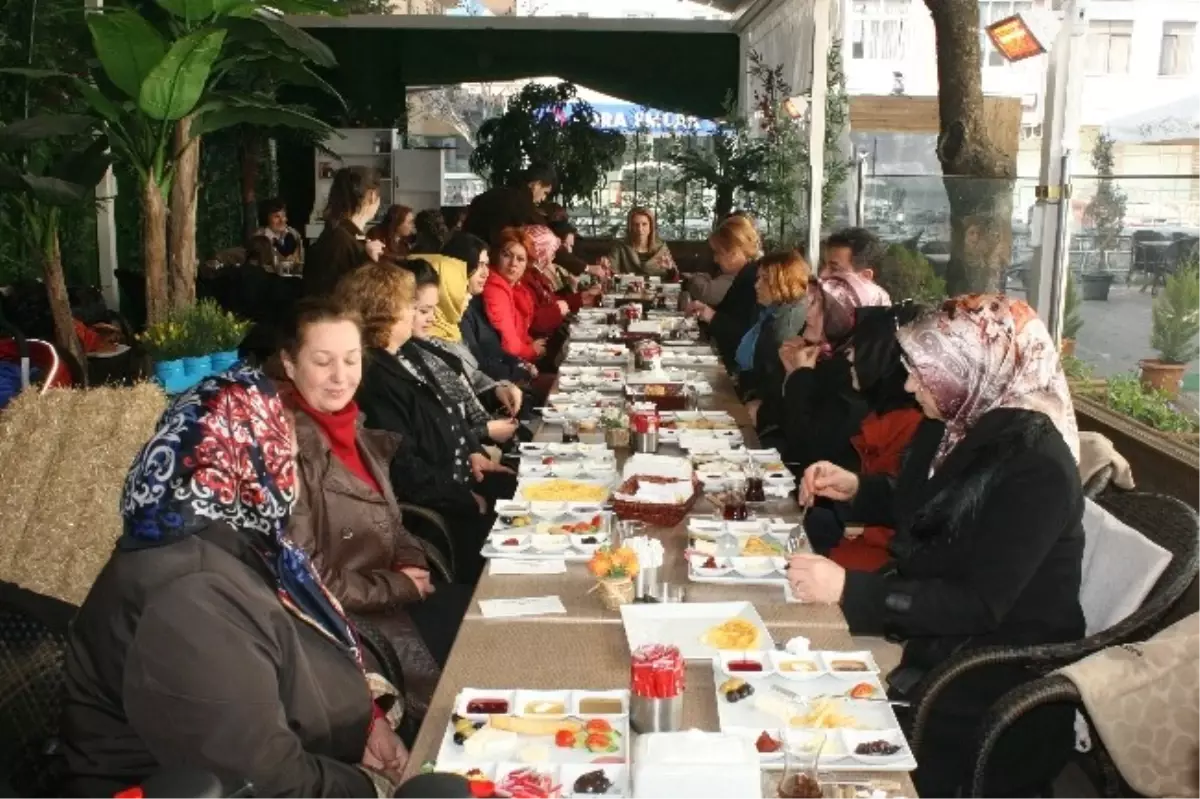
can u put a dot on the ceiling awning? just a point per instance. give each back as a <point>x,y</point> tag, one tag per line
<point>686,66</point>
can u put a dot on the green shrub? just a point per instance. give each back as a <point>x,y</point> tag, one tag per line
<point>907,274</point>
<point>1127,395</point>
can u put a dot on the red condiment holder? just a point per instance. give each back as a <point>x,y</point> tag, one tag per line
<point>657,672</point>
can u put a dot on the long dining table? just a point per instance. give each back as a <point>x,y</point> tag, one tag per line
<point>586,647</point>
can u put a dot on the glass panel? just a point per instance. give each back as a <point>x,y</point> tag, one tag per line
<point>1118,54</point>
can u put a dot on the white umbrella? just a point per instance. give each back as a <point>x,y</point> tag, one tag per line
<point>1178,120</point>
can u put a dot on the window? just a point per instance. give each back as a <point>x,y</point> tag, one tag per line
<point>877,30</point>
<point>1178,40</point>
<point>993,11</point>
<point>1108,47</point>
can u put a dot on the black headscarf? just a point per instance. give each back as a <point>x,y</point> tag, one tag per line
<point>881,373</point>
<point>465,247</point>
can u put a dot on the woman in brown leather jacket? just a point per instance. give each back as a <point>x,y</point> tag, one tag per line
<point>347,516</point>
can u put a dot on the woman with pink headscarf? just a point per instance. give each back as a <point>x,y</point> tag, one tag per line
<point>819,411</point>
<point>553,301</point>
<point>988,550</point>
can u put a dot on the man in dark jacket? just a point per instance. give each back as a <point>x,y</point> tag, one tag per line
<point>511,206</point>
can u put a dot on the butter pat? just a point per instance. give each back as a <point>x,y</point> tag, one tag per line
<point>490,744</point>
<point>776,706</point>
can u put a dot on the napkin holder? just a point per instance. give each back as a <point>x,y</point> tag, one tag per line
<point>695,764</point>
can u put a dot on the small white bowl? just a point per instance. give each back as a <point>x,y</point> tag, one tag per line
<point>833,660</point>
<point>498,539</point>
<point>549,543</point>
<point>578,544</point>
<point>854,738</point>
<point>698,561</point>
<point>754,566</point>
<point>757,656</point>
<point>781,663</point>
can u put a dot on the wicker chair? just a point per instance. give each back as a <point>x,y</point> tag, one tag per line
<point>33,646</point>
<point>1166,521</point>
<point>1054,689</point>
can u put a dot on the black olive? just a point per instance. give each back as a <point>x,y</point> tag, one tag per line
<point>459,738</point>
<point>732,695</point>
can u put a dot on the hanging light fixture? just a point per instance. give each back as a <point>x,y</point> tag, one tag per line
<point>1013,38</point>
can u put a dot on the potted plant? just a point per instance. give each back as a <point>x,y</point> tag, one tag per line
<point>1176,325</point>
<point>1072,322</point>
<point>168,343</point>
<point>614,570</point>
<point>1106,213</point>
<point>218,333</point>
<point>616,427</point>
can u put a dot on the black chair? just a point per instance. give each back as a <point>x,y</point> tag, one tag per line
<point>1164,520</point>
<point>33,645</point>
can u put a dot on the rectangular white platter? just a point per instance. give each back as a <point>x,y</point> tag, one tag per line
<point>535,539</point>
<point>873,719</point>
<point>684,624</point>
<point>564,766</point>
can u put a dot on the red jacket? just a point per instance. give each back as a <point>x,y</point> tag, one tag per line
<point>880,443</point>
<point>547,316</point>
<point>510,310</point>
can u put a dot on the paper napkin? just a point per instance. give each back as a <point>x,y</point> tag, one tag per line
<point>528,606</point>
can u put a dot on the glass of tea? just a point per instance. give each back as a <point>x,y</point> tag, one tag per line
<point>735,509</point>
<point>801,755</point>
<point>570,431</point>
<point>755,491</point>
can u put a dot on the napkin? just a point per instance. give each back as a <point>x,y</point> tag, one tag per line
<point>649,551</point>
<point>501,566</point>
<point>528,606</point>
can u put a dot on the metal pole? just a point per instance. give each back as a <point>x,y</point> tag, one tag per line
<point>816,125</point>
<point>1051,231</point>
<point>1062,244</point>
<point>860,190</point>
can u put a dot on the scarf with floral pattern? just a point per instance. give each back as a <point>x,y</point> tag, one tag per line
<point>980,352</point>
<point>223,452</point>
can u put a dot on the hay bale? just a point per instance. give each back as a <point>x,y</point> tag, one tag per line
<point>63,460</point>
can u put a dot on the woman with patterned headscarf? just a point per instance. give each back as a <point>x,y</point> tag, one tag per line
<point>818,411</point>
<point>553,299</point>
<point>988,550</point>
<point>208,639</point>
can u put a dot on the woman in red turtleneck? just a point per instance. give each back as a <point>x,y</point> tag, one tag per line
<point>347,516</point>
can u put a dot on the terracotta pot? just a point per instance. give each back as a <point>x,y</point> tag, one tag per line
<point>1067,347</point>
<point>1166,377</point>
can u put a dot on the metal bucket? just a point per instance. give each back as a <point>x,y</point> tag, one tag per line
<point>645,442</point>
<point>647,714</point>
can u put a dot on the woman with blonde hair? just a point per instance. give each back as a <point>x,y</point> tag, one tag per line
<point>736,248</point>
<point>781,288</point>
<point>642,252</point>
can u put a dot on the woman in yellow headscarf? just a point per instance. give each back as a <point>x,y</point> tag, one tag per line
<point>453,296</point>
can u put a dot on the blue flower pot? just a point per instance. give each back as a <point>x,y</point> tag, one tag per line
<point>196,369</point>
<point>222,361</point>
<point>171,375</point>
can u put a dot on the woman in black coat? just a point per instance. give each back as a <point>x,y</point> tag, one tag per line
<point>818,411</point>
<point>989,539</point>
<point>441,464</point>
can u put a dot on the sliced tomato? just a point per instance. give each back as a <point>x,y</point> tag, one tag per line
<point>598,725</point>
<point>564,739</point>
<point>482,789</point>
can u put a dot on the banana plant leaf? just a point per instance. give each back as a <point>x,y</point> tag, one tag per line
<point>173,88</point>
<point>129,48</point>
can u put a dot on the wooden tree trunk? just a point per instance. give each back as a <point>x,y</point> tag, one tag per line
<point>154,251</point>
<point>182,257</point>
<point>977,174</point>
<point>249,151</point>
<point>60,303</point>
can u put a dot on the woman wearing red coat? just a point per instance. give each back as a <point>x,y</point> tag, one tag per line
<point>878,374</point>
<point>507,301</point>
